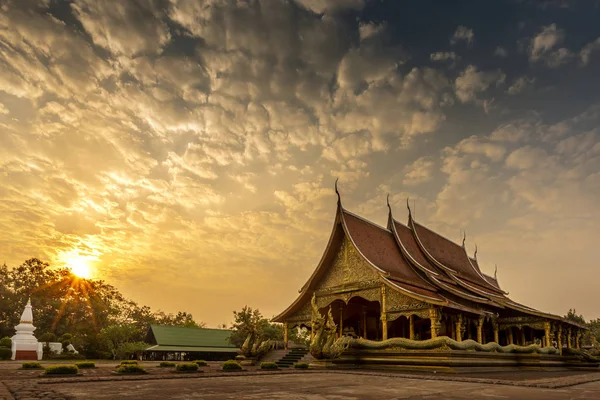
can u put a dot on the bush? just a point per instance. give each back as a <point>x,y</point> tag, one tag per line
<point>129,362</point>
<point>187,367</point>
<point>231,365</point>
<point>6,342</point>
<point>201,363</point>
<point>301,365</point>
<point>31,365</point>
<point>65,356</point>
<point>130,369</point>
<point>85,364</point>
<point>5,353</point>
<point>268,365</point>
<point>61,370</point>
<point>166,364</point>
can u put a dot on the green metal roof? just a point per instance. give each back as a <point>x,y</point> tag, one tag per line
<point>192,349</point>
<point>177,336</point>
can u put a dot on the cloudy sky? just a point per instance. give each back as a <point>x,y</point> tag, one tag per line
<point>187,149</point>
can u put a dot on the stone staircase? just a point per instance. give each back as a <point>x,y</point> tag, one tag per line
<point>292,357</point>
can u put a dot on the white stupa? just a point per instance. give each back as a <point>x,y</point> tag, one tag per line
<point>24,345</point>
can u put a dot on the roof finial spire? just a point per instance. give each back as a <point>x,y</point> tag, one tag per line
<point>464,238</point>
<point>475,255</point>
<point>336,190</point>
<point>496,272</point>
<point>408,206</point>
<point>388,201</point>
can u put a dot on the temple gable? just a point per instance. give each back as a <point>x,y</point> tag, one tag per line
<point>348,272</point>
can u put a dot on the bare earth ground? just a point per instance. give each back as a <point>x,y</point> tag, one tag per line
<point>162,384</point>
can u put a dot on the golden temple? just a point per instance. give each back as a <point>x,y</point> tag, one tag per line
<point>385,292</point>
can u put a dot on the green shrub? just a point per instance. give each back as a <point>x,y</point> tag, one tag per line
<point>201,363</point>
<point>301,365</point>
<point>65,356</point>
<point>6,342</point>
<point>5,353</point>
<point>129,362</point>
<point>31,365</point>
<point>268,365</point>
<point>85,364</point>
<point>61,370</point>
<point>186,367</point>
<point>231,365</point>
<point>130,369</point>
<point>166,364</point>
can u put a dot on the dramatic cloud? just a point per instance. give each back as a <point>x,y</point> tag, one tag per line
<point>463,33</point>
<point>543,47</point>
<point>472,81</point>
<point>520,84</point>
<point>188,146</point>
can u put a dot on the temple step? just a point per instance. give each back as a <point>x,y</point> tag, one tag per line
<point>291,358</point>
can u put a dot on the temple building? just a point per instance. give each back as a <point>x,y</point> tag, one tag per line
<point>407,281</point>
<point>24,344</point>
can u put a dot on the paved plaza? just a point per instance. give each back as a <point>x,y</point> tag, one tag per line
<point>309,385</point>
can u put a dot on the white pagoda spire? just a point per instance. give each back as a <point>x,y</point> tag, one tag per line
<point>27,316</point>
<point>24,343</point>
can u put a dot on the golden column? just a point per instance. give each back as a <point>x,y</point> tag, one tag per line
<point>434,320</point>
<point>510,335</point>
<point>496,333</point>
<point>285,335</point>
<point>341,320</point>
<point>411,327</point>
<point>548,340</point>
<point>568,337</point>
<point>459,323</point>
<point>480,329</point>
<point>384,327</point>
<point>523,340</point>
<point>578,339</point>
<point>559,340</point>
<point>364,322</point>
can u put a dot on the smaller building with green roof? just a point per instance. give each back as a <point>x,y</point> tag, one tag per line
<point>183,343</point>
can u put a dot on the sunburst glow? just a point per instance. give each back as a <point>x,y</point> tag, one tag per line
<point>80,266</point>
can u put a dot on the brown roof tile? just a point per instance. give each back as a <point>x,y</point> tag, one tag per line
<point>451,255</point>
<point>379,247</point>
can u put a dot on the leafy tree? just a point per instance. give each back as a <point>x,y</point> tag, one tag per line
<point>115,336</point>
<point>129,349</point>
<point>573,316</point>
<point>66,304</point>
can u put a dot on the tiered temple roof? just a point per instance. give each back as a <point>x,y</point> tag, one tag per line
<point>419,263</point>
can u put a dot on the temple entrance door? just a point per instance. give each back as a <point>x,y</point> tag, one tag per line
<point>358,318</point>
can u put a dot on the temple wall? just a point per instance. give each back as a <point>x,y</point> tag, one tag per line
<point>349,275</point>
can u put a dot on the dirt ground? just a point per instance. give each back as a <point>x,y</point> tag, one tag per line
<point>161,383</point>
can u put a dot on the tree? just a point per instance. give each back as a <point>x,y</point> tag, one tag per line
<point>245,322</point>
<point>115,336</point>
<point>64,303</point>
<point>573,316</point>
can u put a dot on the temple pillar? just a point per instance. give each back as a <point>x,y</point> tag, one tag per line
<point>510,336</point>
<point>523,339</point>
<point>364,323</point>
<point>496,333</point>
<point>569,338</point>
<point>434,319</point>
<point>578,339</point>
<point>480,330</point>
<point>459,328</point>
<point>547,333</point>
<point>411,327</point>
<point>559,340</point>
<point>384,326</point>
<point>285,335</point>
<point>341,320</point>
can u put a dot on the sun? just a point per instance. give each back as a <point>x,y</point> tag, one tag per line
<point>79,266</point>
